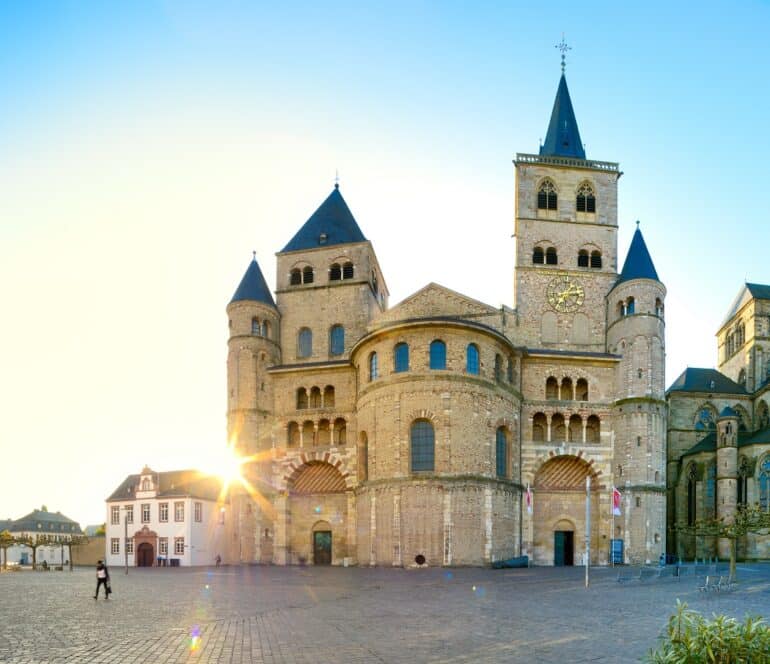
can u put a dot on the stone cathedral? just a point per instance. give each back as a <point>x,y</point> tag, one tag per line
<point>409,435</point>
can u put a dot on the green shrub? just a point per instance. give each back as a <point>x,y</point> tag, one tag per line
<point>691,639</point>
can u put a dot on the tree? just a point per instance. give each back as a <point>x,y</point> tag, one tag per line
<point>747,519</point>
<point>39,539</point>
<point>6,541</point>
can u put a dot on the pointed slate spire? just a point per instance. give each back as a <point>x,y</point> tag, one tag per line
<point>638,263</point>
<point>563,137</point>
<point>332,223</point>
<point>253,286</point>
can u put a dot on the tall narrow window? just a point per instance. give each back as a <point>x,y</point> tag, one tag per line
<point>472,359</point>
<point>539,427</point>
<point>658,308</point>
<point>498,368</point>
<point>335,272</point>
<point>692,512</point>
<point>546,196</point>
<point>596,259</point>
<point>437,354</point>
<point>307,275</point>
<point>743,475</point>
<point>501,453</point>
<point>328,397</point>
<point>295,277</point>
<point>550,256</point>
<point>711,490</point>
<point>401,357</point>
<point>301,398</point>
<point>629,306</point>
<point>582,258</point>
<point>586,201</point>
<point>305,342</point>
<point>581,390</point>
<point>510,370</point>
<point>337,340</point>
<point>374,370</point>
<point>315,397</point>
<point>422,445</point>
<point>764,484</point>
<point>265,329</point>
<point>538,256</point>
<point>593,429</point>
<point>558,428</point>
<point>255,329</point>
<point>347,271</point>
<point>551,388</point>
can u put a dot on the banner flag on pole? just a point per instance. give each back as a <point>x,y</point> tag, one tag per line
<point>616,496</point>
<point>529,500</point>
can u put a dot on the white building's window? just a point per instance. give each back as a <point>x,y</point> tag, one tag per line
<point>163,512</point>
<point>145,513</point>
<point>115,515</point>
<point>178,511</point>
<point>163,546</point>
<point>129,545</point>
<point>115,546</point>
<point>146,484</point>
<point>129,513</point>
<point>198,512</point>
<point>179,546</point>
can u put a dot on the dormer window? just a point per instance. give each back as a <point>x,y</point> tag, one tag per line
<point>146,484</point>
<point>546,195</point>
<point>322,238</point>
<point>586,199</point>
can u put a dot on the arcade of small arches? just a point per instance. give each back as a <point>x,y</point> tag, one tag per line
<point>556,428</point>
<point>306,275</point>
<point>547,255</point>
<point>736,337</point>
<point>315,398</point>
<point>316,433</point>
<point>627,307</point>
<point>554,391</point>
<point>263,329</point>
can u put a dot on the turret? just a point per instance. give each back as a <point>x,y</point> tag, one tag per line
<point>636,333</point>
<point>727,471</point>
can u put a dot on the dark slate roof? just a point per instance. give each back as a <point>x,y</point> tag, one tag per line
<point>745,438</point>
<point>638,263</point>
<point>563,137</point>
<point>728,412</point>
<point>333,220</point>
<point>699,380</point>
<point>5,524</point>
<point>253,286</point>
<point>757,291</point>
<point>51,522</point>
<point>173,483</point>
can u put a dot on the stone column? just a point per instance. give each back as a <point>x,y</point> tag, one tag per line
<point>281,539</point>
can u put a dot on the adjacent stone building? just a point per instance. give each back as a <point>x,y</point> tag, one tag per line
<point>408,435</point>
<point>719,432</point>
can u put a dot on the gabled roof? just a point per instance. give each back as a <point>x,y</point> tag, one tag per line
<point>745,438</point>
<point>173,483</point>
<point>253,286</point>
<point>5,524</point>
<point>638,263</point>
<point>705,380</point>
<point>332,223</point>
<point>756,291</point>
<point>50,522</point>
<point>563,137</point>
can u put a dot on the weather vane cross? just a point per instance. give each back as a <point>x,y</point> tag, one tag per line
<point>562,46</point>
<point>336,179</point>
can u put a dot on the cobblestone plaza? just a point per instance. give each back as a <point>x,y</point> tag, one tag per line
<point>294,614</point>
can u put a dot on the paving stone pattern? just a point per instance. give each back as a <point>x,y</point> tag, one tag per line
<point>293,614</point>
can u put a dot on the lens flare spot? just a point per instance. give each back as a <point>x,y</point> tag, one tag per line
<point>195,639</point>
<point>318,509</point>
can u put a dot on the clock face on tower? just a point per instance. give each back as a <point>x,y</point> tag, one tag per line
<point>565,294</point>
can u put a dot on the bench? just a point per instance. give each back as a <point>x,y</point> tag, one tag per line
<point>711,584</point>
<point>726,583</point>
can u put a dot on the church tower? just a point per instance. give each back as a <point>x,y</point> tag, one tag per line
<point>636,333</point>
<point>566,237</point>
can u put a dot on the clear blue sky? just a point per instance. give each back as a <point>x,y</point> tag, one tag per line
<point>147,147</point>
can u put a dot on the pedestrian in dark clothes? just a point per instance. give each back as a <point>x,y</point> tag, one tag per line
<point>102,579</point>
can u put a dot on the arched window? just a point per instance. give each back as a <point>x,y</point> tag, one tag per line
<point>335,272</point>
<point>581,390</point>
<point>764,484</point>
<point>743,481</point>
<point>337,340</point>
<point>546,195</point>
<point>552,388</point>
<point>347,270</point>
<point>510,370</point>
<point>340,431</point>
<point>586,200</point>
<point>437,354</point>
<point>538,256</point>
<point>582,258</point>
<point>558,430</point>
<point>498,367</point>
<point>566,389</point>
<point>711,490</point>
<point>255,329</point>
<point>472,359</point>
<point>422,444</point>
<point>374,370</point>
<point>305,342</point>
<point>315,397</point>
<point>742,378</point>
<point>401,357</point>
<point>704,422</point>
<point>501,453</point>
<point>539,427</point>
<point>324,433</point>
<point>593,429</point>
<point>308,434</point>
<point>763,416</point>
<point>575,430</point>
<point>292,435</point>
<point>301,398</point>
<point>629,306</point>
<point>550,256</point>
<point>295,277</point>
<point>692,511</point>
<point>328,397</point>
<point>658,307</point>
<point>596,259</point>
<point>265,329</point>
<point>307,275</point>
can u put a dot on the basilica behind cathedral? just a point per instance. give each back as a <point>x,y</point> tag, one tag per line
<point>393,436</point>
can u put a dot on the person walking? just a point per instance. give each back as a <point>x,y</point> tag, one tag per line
<point>102,579</point>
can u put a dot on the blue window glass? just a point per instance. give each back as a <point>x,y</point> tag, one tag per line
<point>501,453</point>
<point>337,340</point>
<point>630,306</point>
<point>711,490</point>
<point>305,343</point>
<point>764,485</point>
<point>472,359</point>
<point>374,370</point>
<point>401,357</point>
<point>437,354</point>
<point>255,326</point>
<point>423,445</point>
